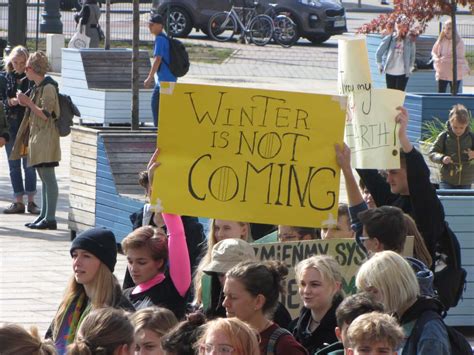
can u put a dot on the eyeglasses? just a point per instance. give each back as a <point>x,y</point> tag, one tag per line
<point>363,239</point>
<point>218,349</point>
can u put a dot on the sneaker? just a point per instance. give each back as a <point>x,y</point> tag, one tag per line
<point>384,3</point>
<point>33,208</point>
<point>15,207</point>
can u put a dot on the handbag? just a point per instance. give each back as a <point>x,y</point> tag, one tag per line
<point>79,40</point>
<point>101,33</point>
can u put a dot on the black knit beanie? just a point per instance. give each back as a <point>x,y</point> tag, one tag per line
<point>100,242</point>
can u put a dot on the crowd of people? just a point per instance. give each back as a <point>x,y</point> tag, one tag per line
<point>184,293</point>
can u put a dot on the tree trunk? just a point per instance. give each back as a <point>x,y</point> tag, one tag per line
<point>135,63</point>
<point>107,25</point>
<point>454,88</point>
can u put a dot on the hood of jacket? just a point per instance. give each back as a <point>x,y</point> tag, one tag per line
<point>421,305</point>
<point>424,276</point>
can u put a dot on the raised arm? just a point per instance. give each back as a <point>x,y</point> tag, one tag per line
<point>178,255</point>
<point>428,212</point>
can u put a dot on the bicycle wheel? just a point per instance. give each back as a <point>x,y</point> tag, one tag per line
<point>285,31</point>
<point>222,26</point>
<point>261,30</point>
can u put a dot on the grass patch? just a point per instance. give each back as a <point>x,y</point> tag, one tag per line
<point>203,53</point>
<point>470,59</point>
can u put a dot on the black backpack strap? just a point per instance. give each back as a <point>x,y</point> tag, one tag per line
<point>273,340</point>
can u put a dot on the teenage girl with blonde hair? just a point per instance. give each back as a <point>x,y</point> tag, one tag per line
<point>442,53</point>
<point>16,80</point>
<point>38,136</point>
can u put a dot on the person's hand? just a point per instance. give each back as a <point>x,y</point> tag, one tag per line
<point>447,160</point>
<point>470,153</point>
<point>148,83</point>
<point>2,142</point>
<point>343,156</point>
<point>23,100</point>
<point>151,167</point>
<point>402,120</point>
<point>12,101</point>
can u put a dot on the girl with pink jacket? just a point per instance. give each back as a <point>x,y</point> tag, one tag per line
<point>443,58</point>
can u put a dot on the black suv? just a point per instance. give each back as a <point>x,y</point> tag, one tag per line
<point>317,20</point>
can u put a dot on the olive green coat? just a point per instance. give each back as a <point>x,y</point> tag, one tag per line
<point>39,139</point>
<point>461,172</point>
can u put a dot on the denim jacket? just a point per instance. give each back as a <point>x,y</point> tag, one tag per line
<point>384,53</point>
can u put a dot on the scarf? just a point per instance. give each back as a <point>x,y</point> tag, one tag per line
<point>72,318</point>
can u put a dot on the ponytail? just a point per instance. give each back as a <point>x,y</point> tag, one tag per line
<point>262,278</point>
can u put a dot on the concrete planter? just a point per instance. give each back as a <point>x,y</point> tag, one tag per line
<point>104,188</point>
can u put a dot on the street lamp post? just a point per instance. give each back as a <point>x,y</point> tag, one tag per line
<point>16,23</point>
<point>51,18</point>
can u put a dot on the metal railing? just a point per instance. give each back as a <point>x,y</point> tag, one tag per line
<point>120,21</point>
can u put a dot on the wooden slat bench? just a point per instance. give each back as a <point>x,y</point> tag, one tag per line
<point>100,83</point>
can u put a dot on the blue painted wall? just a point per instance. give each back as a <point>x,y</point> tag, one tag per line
<point>425,107</point>
<point>112,210</point>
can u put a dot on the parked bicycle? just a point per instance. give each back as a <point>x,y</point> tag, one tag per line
<point>285,30</point>
<point>258,28</point>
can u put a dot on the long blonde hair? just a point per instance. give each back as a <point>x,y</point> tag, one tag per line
<point>15,340</point>
<point>105,288</point>
<point>391,275</point>
<point>15,52</point>
<point>207,258</point>
<point>442,35</point>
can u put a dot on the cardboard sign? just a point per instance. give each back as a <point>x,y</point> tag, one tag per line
<point>346,251</point>
<point>249,155</point>
<point>371,132</point>
<point>353,66</point>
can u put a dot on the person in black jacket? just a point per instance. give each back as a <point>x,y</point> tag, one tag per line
<point>93,285</point>
<point>16,80</point>
<point>409,188</point>
<point>319,284</point>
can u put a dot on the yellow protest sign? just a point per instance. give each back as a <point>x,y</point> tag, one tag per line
<point>371,132</point>
<point>249,155</point>
<point>346,251</point>
<point>353,66</point>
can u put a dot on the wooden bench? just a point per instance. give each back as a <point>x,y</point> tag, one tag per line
<point>104,187</point>
<point>100,83</point>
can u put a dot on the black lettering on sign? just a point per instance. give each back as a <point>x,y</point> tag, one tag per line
<point>349,253</point>
<point>292,297</point>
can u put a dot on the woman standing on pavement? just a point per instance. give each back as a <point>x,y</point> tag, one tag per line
<point>443,58</point>
<point>38,136</point>
<point>16,81</point>
<point>93,285</point>
<point>396,55</point>
<point>89,18</point>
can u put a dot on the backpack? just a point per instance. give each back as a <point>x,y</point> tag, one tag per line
<point>273,340</point>
<point>179,58</point>
<point>459,344</point>
<point>449,276</point>
<point>67,112</point>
